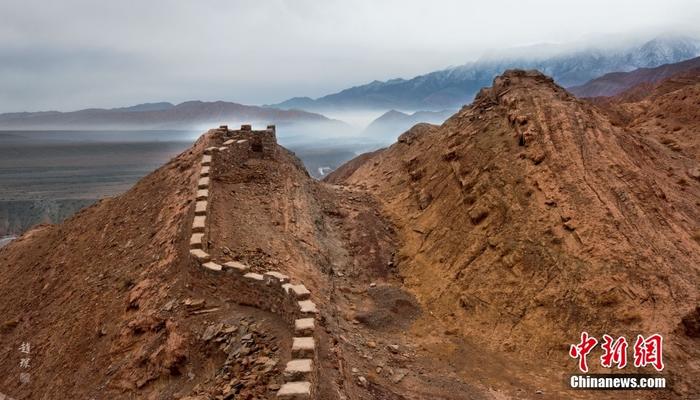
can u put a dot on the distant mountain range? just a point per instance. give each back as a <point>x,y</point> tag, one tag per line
<point>187,115</point>
<point>453,87</point>
<point>447,89</point>
<point>617,82</point>
<point>393,123</point>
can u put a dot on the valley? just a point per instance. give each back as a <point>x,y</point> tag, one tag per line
<point>47,176</point>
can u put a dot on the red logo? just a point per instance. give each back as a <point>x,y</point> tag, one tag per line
<point>614,352</point>
<point>647,351</point>
<point>582,349</point>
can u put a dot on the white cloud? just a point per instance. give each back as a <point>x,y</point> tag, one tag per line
<point>78,53</point>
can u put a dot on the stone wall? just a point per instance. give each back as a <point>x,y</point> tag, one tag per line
<point>272,290</point>
<point>263,141</point>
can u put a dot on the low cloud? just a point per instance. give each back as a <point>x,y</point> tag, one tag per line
<point>77,53</point>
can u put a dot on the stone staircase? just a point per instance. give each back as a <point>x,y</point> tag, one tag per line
<point>271,290</point>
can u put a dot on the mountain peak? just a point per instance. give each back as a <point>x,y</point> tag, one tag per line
<point>393,112</point>
<point>518,83</point>
<point>164,105</point>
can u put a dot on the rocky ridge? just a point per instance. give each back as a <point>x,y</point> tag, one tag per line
<point>270,290</point>
<point>529,217</point>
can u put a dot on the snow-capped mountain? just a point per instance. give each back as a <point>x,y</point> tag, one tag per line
<point>455,86</point>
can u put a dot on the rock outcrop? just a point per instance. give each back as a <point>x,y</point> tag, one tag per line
<point>529,217</point>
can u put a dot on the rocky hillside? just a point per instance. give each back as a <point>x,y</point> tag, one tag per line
<point>459,263</point>
<point>529,217</point>
<point>617,82</point>
<point>666,111</point>
<point>111,307</point>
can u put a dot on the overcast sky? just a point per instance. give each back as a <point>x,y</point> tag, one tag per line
<point>71,54</point>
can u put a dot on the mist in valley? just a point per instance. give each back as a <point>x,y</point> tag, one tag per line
<point>48,175</point>
<point>340,94</point>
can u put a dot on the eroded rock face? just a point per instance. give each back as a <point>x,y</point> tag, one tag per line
<point>545,219</point>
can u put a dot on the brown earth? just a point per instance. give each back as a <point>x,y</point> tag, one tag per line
<point>112,308</point>
<point>459,263</point>
<point>529,217</point>
<point>666,111</point>
<point>269,214</point>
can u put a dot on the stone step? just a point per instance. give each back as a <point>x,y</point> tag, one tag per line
<point>298,370</point>
<point>212,266</point>
<point>204,171</point>
<point>228,142</point>
<point>303,347</point>
<point>202,194</point>
<point>300,292</point>
<point>295,391</point>
<point>200,208</point>
<point>237,267</point>
<point>307,307</point>
<point>199,223</point>
<point>203,183</point>
<point>209,150</point>
<point>201,255</point>
<point>253,275</point>
<point>196,241</point>
<point>304,326</point>
<point>275,275</point>
<point>206,160</point>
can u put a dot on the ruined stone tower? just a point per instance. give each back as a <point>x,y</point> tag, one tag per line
<point>262,141</point>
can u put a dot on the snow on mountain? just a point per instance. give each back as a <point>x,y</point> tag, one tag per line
<point>452,87</point>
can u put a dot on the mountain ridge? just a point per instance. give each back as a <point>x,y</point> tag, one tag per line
<point>529,216</point>
<point>665,110</point>
<point>393,122</point>
<point>164,115</point>
<point>455,86</point>
<point>616,82</point>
